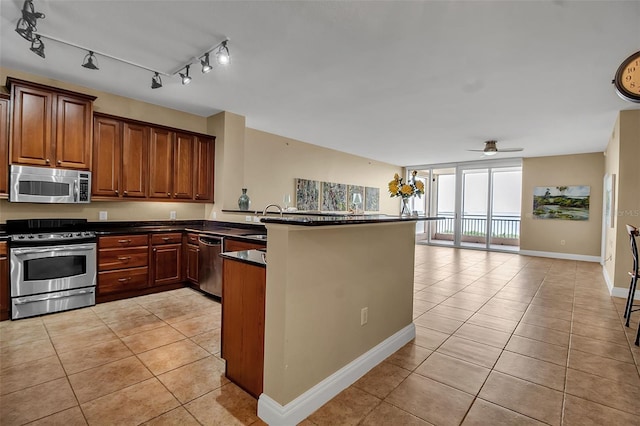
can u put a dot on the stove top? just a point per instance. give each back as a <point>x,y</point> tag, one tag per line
<point>57,236</point>
<point>47,231</point>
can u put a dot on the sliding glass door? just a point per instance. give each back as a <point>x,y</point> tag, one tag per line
<point>479,204</point>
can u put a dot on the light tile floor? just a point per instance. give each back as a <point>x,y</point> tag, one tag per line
<point>501,339</point>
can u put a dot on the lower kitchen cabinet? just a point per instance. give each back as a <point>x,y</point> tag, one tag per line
<point>242,338</point>
<point>236,245</point>
<point>123,263</point>
<point>192,253</point>
<point>4,282</point>
<point>166,258</point>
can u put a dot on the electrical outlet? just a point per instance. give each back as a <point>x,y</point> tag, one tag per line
<point>364,315</point>
<point>562,242</point>
<point>103,215</point>
<point>214,215</point>
<point>247,219</point>
<point>172,214</point>
<point>256,219</point>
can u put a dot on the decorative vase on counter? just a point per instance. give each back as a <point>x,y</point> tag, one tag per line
<point>406,211</point>
<point>244,201</point>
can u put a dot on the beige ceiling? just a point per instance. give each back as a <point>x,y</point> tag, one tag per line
<point>409,83</point>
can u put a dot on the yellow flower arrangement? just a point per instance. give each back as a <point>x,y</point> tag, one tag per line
<point>398,188</point>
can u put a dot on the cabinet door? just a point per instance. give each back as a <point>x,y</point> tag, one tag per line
<point>73,132</point>
<point>204,167</point>
<point>4,282</point>
<point>32,126</point>
<point>160,163</point>
<point>167,264</point>
<point>183,172</point>
<point>135,160</point>
<point>107,141</point>
<point>4,146</point>
<point>193,252</point>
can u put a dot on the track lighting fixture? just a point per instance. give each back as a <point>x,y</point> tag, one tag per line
<point>185,77</point>
<point>27,24</point>
<point>90,61</point>
<point>29,14</point>
<point>222,56</point>
<point>26,27</point>
<point>156,81</point>
<point>37,46</point>
<point>206,66</point>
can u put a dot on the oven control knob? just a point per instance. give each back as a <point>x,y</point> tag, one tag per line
<point>30,236</point>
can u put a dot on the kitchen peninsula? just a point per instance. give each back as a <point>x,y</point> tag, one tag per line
<point>339,300</point>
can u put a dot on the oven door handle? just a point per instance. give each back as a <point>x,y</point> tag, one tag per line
<point>32,299</point>
<point>25,251</point>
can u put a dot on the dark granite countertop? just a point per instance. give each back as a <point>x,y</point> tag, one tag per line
<point>228,229</point>
<point>252,257</point>
<point>343,220</point>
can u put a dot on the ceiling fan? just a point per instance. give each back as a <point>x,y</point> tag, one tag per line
<point>490,148</point>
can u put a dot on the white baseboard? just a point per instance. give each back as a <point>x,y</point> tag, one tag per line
<point>300,408</point>
<point>617,291</point>
<point>556,255</point>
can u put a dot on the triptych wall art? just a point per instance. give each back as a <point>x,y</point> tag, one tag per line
<point>333,197</point>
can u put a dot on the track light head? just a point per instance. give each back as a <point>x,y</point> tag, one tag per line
<point>29,14</point>
<point>90,61</point>
<point>37,46</point>
<point>222,56</point>
<point>156,81</point>
<point>185,77</point>
<point>206,66</point>
<point>24,29</point>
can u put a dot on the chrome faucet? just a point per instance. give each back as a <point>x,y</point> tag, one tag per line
<point>264,212</point>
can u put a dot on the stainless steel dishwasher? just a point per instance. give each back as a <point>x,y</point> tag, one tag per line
<point>210,264</point>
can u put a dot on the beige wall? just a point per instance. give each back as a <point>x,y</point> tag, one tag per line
<point>580,237</point>
<point>622,156</point>
<point>318,280</point>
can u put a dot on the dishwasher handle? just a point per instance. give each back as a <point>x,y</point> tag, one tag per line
<point>209,241</point>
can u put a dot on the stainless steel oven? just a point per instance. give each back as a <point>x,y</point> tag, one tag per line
<point>51,271</point>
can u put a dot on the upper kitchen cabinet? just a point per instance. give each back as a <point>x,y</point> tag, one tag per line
<point>120,158</point>
<point>184,166</point>
<point>161,163</point>
<point>50,127</point>
<point>203,171</point>
<point>4,145</point>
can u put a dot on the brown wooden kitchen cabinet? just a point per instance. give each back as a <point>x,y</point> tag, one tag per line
<point>4,282</point>
<point>204,168</point>
<point>184,165</point>
<point>237,245</point>
<point>243,295</point>
<point>120,158</point>
<point>192,253</point>
<point>161,163</point>
<point>123,263</point>
<point>166,258</point>
<point>51,127</point>
<point>4,145</point>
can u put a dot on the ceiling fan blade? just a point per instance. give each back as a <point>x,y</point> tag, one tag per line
<point>510,149</point>
<point>476,150</point>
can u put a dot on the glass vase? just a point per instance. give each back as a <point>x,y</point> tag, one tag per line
<point>406,211</point>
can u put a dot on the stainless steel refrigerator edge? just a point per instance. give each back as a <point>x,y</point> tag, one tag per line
<point>210,264</point>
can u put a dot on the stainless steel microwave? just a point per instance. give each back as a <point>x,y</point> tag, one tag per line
<point>49,185</point>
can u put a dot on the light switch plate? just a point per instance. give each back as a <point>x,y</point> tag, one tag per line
<point>103,215</point>
<point>172,214</point>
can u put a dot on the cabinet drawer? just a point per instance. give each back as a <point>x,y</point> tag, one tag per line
<point>123,280</point>
<point>117,258</point>
<point>123,241</point>
<point>169,238</point>
<point>192,239</point>
<point>235,245</point>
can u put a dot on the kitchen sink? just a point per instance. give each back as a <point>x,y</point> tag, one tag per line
<point>261,237</point>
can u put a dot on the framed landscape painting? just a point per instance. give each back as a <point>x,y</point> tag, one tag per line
<point>561,202</point>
